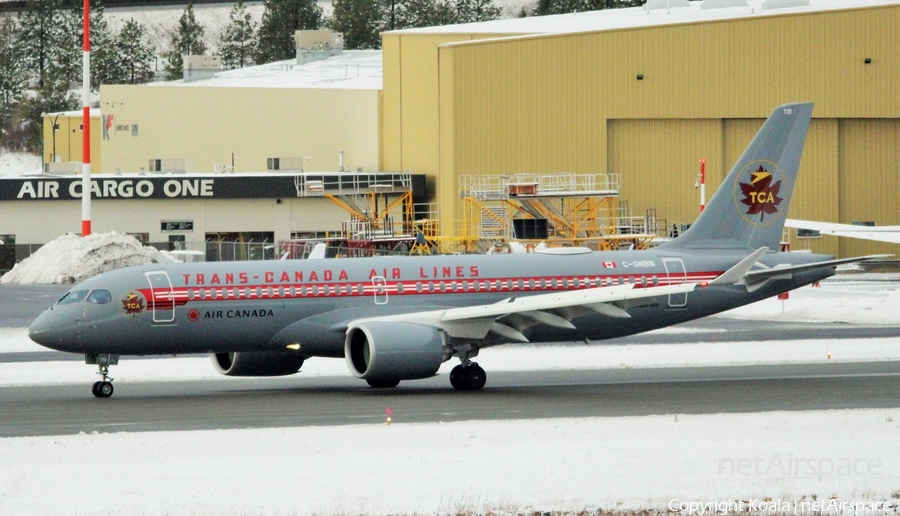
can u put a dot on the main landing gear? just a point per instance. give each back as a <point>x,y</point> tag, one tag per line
<point>104,387</point>
<point>468,376</point>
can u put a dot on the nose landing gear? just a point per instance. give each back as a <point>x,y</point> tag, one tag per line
<point>104,387</point>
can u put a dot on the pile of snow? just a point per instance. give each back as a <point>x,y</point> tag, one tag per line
<point>72,259</point>
<point>19,163</point>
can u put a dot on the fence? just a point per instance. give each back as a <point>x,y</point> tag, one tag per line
<point>212,251</point>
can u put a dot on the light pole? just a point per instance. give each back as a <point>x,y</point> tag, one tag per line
<point>701,183</point>
<point>86,123</point>
<point>53,129</point>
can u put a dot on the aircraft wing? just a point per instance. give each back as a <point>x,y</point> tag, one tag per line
<point>878,233</point>
<point>508,317</point>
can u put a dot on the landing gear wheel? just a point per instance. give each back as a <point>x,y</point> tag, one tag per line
<point>468,378</point>
<point>475,378</point>
<point>104,390</point>
<point>384,383</point>
<point>457,375</point>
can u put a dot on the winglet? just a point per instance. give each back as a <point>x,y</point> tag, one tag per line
<point>735,275</point>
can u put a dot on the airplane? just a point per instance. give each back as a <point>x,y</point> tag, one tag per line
<point>890,234</point>
<point>396,319</point>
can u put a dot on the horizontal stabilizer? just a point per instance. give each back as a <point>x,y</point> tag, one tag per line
<point>779,270</point>
<point>735,275</point>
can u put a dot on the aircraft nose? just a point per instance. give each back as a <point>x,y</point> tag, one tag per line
<point>40,329</point>
<point>50,330</point>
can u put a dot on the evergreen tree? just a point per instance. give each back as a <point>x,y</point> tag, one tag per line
<point>426,13</point>
<point>545,7</point>
<point>26,123</point>
<point>445,13</point>
<point>415,13</point>
<point>40,28</point>
<point>105,62</point>
<point>66,43</point>
<point>280,19</point>
<point>389,14</point>
<point>12,70</point>
<point>68,54</point>
<point>476,11</point>
<point>135,53</point>
<point>186,39</point>
<point>359,21</point>
<point>237,43</point>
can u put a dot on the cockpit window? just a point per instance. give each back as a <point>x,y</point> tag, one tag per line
<point>99,297</point>
<point>73,296</point>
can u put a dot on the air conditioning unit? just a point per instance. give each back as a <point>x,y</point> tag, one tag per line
<point>167,165</point>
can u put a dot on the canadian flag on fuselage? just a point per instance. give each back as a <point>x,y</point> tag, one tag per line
<point>609,265</point>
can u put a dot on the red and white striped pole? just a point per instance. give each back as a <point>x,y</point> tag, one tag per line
<point>702,183</point>
<point>86,125</point>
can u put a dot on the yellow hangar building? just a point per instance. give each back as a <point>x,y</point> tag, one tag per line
<point>640,93</point>
<point>646,93</point>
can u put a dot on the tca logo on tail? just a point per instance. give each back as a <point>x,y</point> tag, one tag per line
<point>756,191</point>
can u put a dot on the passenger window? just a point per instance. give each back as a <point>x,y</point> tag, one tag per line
<point>72,297</point>
<point>99,297</point>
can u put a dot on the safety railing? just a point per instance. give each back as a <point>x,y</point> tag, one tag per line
<point>529,185</point>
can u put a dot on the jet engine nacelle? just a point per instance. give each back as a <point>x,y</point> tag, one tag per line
<point>257,363</point>
<point>381,350</point>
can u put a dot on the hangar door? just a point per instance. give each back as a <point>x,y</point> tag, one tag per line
<point>869,179</point>
<point>658,160</point>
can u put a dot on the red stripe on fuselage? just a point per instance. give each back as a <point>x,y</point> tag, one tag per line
<point>161,298</point>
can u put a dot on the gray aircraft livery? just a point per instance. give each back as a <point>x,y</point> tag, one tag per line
<point>396,319</point>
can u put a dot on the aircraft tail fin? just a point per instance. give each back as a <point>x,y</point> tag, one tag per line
<point>749,208</point>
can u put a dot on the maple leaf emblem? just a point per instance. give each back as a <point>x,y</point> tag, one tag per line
<point>133,304</point>
<point>760,195</point>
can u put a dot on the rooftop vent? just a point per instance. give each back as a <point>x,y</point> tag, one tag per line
<point>778,4</point>
<point>197,68</point>
<point>169,166</point>
<point>665,4</point>
<point>719,4</point>
<point>316,45</point>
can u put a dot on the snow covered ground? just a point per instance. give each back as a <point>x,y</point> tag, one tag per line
<point>19,163</point>
<point>822,462</point>
<point>652,462</point>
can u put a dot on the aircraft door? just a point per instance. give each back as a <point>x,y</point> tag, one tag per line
<point>677,275</point>
<point>163,297</point>
<point>379,289</point>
